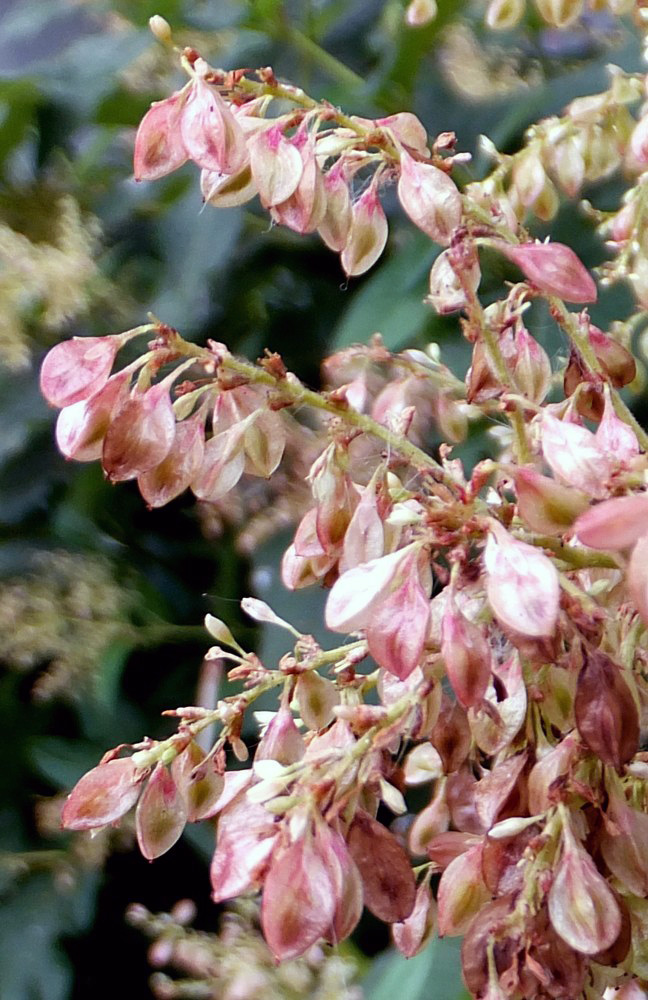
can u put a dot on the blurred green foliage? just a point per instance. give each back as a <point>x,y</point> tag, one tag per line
<point>103,600</point>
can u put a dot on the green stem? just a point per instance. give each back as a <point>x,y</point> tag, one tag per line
<point>320,57</point>
<point>577,558</point>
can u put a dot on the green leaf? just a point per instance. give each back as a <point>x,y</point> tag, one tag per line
<point>391,975</point>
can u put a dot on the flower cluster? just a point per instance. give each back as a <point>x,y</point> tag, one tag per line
<point>498,613</point>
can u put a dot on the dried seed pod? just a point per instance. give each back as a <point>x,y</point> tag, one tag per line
<point>606,712</point>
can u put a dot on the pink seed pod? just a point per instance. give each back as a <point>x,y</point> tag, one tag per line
<point>450,736</point>
<point>78,368</point>
<point>554,268</point>
<point>355,595</point>
<point>430,198</point>
<point>222,466</point>
<point>140,434</point>
<point>399,625</point>
<point>466,655</point>
<point>545,505</point>
<point>335,225</point>
<point>211,135</point>
<point>364,538</point>
<point>179,468</point>
<point>461,893</point>
<point>367,235</point>
<point>575,456</point>
<point>582,907</point>
<point>408,130</point>
<point>521,584</point>
<point>613,436</point>
<point>281,741</point>
<point>159,147</point>
<point>550,769</point>
<point>389,886</point>
<point>614,524</point>
<point>222,190</point>
<point>447,290</point>
<point>304,210</point>
<point>245,842</point>
<point>161,814</point>
<point>617,362</point>
<point>606,712</point>
<point>276,165</point>
<point>346,881</point>
<point>197,781</point>
<point>317,697</point>
<point>531,366</point>
<point>299,899</point>
<point>103,795</point>
<point>624,841</point>
<point>411,935</point>
<point>264,442</point>
<point>430,822</point>
<point>81,427</point>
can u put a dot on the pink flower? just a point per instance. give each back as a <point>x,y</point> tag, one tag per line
<point>521,583</point>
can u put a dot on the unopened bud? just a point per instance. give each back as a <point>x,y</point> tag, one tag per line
<point>560,13</point>
<point>420,12</point>
<point>554,268</point>
<point>504,14</point>
<point>161,29</point>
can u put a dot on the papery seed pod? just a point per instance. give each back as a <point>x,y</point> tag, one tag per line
<point>76,369</point>
<point>582,908</point>
<point>281,741</point>
<point>422,764</point>
<point>560,13</point>
<point>103,795</point>
<point>521,584</point>
<point>317,697</point>
<point>411,935</point>
<point>547,770</point>
<point>161,814</point>
<point>554,268</point>
<point>502,855</point>
<point>575,456</point>
<point>367,235</point>
<point>399,625</point>
<point>451,735</point>
<point>211,135</point>
<point>491,928</point>
<point>617,362</point>
<point>528,176</point>
<point>430,822</point>
<point>81,427</point>
<point>637,577</point>
<point>614,524</point>
<point>420,12</point>
<point>179,468</point>
<point>264,442</point>
<point>298,900</point>
<point>245,841</point>
<point>531,366</point>
<point>495,723</point>
<point>222,466</point>
<point>448,846</point>
<point>364,538</point>
<point>354,596</point>
<point>569,164</point>
<point>430,198</point>
<point>159,149</point>
<point>276,165</point>
<point>304,210</point>
<point>545,505</point>
<point>614,436</point>
<point>346,881</point>
<point>407,129</point>
<point>461,893</point>
<point>335,225</point>
<point>140,434</point>
<point>606,712</point>
<point>447,291</point>
<point>501,15</point>
<point>197,781</point>
<point>389,886</point>
<point>466,655</point>
<point>624,840</point>
<point>227,190</point>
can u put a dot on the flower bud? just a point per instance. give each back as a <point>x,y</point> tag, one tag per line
<point>179,468</point>
<point>160,28</point>
<point>367,235</point>
<point>419,13</point>
<point>197,782</point>
<point>411,935</point>
<point>298,899</point>
<point>461,893</point>
<point>211,135</point>
<point>159,148</point>
<point>76,369</point>
<point>554,268</point>
<point>430,198</point>
<point>543,504</point>
<point>140,435</point>
<point>502,15</point>
<point>103,795</point>
<point>389,886</point>
<point>276,165</point>
<point>160,816</point>
<point>606,712</point>
<point>521,584</point>
<point>582,908</point>
<point>614,524</point>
